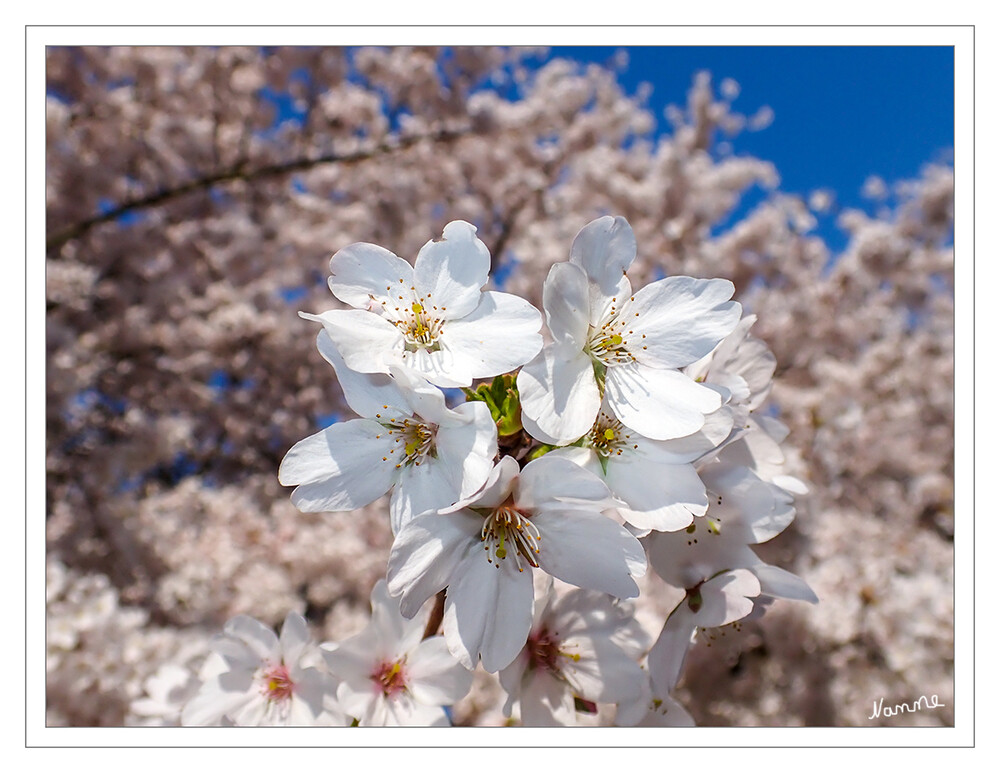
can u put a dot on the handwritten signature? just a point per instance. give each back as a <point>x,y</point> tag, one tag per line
<point>904,708</point>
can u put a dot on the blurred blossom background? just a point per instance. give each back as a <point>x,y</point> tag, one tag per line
<point>195,195</point>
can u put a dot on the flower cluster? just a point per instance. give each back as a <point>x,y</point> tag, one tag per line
<point>523,517</point>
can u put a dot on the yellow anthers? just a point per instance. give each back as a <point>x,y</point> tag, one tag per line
<point>506,525</point>
<point>420,330</point>
<point>608,345</point>
<point>608,436</point>
<point>417,439</point>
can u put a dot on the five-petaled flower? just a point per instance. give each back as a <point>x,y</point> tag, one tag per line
<point>432,317</point>
<point>628,347</point>
<point>260,679</point>
<point>548,516</point>
<point>390,675</point>
<point>409,441</point>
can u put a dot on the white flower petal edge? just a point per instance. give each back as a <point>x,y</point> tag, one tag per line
<point>264,680</point>
<point>547,516</point>
<point>429,455</point>
<point>432,318</point>
<point>574,650</point>
<point>391,675</point>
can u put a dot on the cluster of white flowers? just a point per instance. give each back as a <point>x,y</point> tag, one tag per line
<point>627,439</point>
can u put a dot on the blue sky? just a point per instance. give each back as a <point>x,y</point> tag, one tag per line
<point>841,113</point>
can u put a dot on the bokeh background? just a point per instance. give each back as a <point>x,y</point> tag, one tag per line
<point>195,195</point>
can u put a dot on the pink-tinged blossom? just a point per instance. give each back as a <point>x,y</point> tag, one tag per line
<point>261,679</point>
<point>548,516</point>
<point>408,442</point>
<point>432,317</point>
<point>628,347</point>
<point>390,675</point>
<point>582,644</point>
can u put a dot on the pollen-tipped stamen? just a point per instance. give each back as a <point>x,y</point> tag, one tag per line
<point>417,439</point>
<point>507,531</point>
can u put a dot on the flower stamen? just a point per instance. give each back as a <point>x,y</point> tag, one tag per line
<point>277,685</point>
<point>506,525</point>
<point>417,439</point>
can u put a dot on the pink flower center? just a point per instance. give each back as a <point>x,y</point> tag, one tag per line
<point>543,651</point>
<point>278,685</point>
<point>389,677</point>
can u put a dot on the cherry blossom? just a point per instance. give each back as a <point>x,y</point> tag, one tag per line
<point>409,442</point>
<point>582,645</point>
<point>627,347</point>
<point>390,675</point>
<point>264,679</point>
<point>431,317</point>
<point>547,516</point>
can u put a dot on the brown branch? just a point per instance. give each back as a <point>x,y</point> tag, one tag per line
<point>437,615</point>
<point>240,172</point>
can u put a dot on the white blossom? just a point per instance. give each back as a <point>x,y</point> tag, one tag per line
<point>582,645</point>
<point>548,516</point>
<point>431,317</point>
<point>390,675</point>
<point>627,347</point>
<point>409,441</point>
<point>264,680</point>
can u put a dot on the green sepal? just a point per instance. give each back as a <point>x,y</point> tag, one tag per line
<point>604,463</point>
<point>600,375</point>
<point>503,401</point>
<point>540,452</point>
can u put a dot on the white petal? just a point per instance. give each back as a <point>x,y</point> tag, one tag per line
<point>776,582</point>
<point>445,367</point>
<point>685,558</point>
<point>217,698</point>
<point>487,613</point>
<point>559,396</point>
<point>253,713</point>
<point>682,318</point>
<point>660,404</point>
<point>661,497</point>
<point>352,661</point>
<point>604,248</point>
<point>403,711</point>
<point>499,336</point>
<point>603,673</point>
<point>556,482</point>
<point>361,271</point>
<point>434,676</point>
<point>567,305</point>
<point>546,701</point>
<point>423,488</point>
<point>466,451</point>
<point>727,598</point>
<point>425,554</point>
<point>259,637</point>
<point>666,658</point>
<point>366,393</point>
<point>367,342</point>
<point>294,638</point>
<point>499,485</point>
<point>343,467</point>
<point>589,551</point>
<point>450,271</point>
<point>394,633</point>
